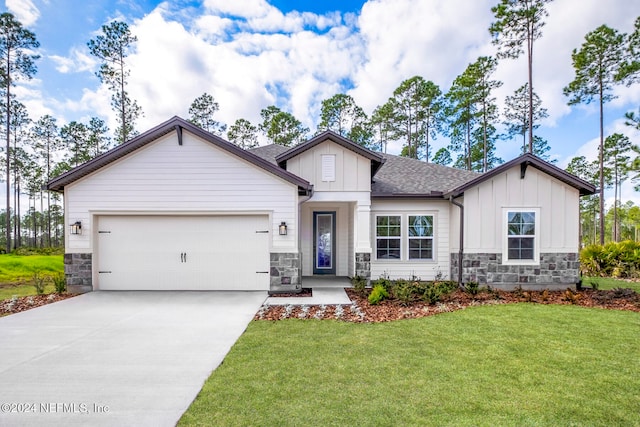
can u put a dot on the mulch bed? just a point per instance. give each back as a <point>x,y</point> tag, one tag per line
<point>363,312</point>
<point>306,292</point>
<point>16,305</point>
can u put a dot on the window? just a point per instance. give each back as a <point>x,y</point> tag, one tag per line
<point>420,237</point>
<point>328,167</point>
<point>521,235</point>
<point>388,237</point>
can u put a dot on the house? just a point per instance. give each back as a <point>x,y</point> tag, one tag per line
<point>179,208</point>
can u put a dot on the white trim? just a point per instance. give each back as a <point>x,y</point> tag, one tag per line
<point>375,237</point>
<point>505,236</point>
<point>432,237</point>
<point>404,236</point>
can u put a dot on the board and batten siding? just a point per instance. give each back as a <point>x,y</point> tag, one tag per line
<point>404,268</point>
<point>352,171</point>
<point>483,211</point>
<point>197,177</point>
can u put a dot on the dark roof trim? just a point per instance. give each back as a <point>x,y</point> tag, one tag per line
<point>524,161</point>
<point>174,124</point>
<point>376,159</point>
<point>432,195</point>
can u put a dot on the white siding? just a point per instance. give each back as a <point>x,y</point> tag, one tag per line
<point>404,268</point>
<point>483,207</point>
<point>353,172</point>
<point>196,177</point>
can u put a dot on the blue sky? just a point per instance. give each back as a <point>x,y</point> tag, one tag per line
<point>253,53</point>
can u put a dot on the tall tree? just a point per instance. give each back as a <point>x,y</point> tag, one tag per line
<point>202,112</point>
<point>519,22</point>
<point>415,104</point>
<point>630,67</point>
<point>98,140</point>
<point>341,114</point>
<point>482,70</point>
<point>616,152</point>
<point>112,47</point>
<point>589,207</point>
<point>18,62</point>
<point>442,157</point>
<point>382,122</point>
<point>516,114</point>
<point>243,134</point>
<point>75,136</point>
<point>46,142</point>
<point>19,122</point>
<point>597,65</point>
<point>280,127</point>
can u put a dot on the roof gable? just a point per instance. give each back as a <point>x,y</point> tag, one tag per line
<point>175,124</point>
<point>376,159</point>
<point>525,161</point>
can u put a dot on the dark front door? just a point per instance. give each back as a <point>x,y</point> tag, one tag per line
<point>324,243</point>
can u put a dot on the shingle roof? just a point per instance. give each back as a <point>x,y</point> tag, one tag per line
<point>269,152</point>
<point>403,176</point>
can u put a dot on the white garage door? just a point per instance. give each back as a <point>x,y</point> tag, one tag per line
<point>183,252</point>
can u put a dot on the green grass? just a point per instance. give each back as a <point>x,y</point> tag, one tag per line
<point>513,365</point>
<point>8,292</point>
<point>610,283</point>
<point>16,273</point>
<point>19,269</point>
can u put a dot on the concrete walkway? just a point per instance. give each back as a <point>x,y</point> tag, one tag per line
<point>116,358</point>
<point>320,296</point>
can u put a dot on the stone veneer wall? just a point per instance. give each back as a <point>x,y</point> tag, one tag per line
<point>77,269</point>
<point>363,265</point>
<point>555,270</point>
<point>286,272</point>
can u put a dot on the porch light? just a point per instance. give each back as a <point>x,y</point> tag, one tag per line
<point>76,227</point>
<point>282,229</point>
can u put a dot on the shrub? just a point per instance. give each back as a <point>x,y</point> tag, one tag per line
<point>379,293</point>
<point>472,288</point>
<point>60,283</point>
<point>432,293</point>
<point>611,260</point>
<point>404,291</point>
<point>39,282</point>
<point>359,284</point>
<point>385,282</point>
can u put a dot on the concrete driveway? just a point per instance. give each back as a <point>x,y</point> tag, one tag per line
<point>116,358</point>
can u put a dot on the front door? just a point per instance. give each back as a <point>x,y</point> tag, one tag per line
<point>324,243</point>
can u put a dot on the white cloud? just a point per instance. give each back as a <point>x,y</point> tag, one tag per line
<point>77,61</point>
<point>24,10</point>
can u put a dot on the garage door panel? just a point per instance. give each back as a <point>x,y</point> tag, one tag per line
<point>189,253</point>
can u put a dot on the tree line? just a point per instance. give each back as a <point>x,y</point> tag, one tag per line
<point>417,112</point>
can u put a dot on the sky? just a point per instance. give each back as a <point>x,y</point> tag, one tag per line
<point>250,54</point>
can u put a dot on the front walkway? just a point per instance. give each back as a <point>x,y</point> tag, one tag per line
<point>327,290</point>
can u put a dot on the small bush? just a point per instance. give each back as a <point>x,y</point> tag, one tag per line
<point>39,282</point>
<point>404,291</point>
<point>378,294</point>
<point>432,293</point>
<point>385,282</point>
<point>571,296</point>
<point>359,284</point>
<point>60,283</point>
<point>472,288</point>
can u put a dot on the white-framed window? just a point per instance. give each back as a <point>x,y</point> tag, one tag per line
<point>521,236</point>
<point>420,236</point>
<point>388,236</point>
<point>328,167</point>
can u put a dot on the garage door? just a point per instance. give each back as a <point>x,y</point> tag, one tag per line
<point>183,252</point>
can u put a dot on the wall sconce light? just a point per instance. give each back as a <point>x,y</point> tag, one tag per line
<point>76,227</point>
<point>282,229</point>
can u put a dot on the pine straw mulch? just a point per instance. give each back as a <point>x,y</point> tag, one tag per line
<point>362,312</point>
<point>18,304</point>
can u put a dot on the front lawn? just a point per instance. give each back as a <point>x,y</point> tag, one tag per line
<point>18,269</point>
<point>610,283</point>
<point>520,364</point>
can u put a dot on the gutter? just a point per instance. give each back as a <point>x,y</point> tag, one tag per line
<point>461,250</point>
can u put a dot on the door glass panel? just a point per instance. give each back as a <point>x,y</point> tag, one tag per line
<point>324,239</point>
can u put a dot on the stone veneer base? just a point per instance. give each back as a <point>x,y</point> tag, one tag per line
<point>363,265</point>
<point>78,272</point>
<point>554,271</point>
<point>286,272</point>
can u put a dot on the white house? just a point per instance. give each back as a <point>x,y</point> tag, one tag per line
<point>179,208</point>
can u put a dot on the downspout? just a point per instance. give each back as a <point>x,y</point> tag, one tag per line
<point>461,250</point>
